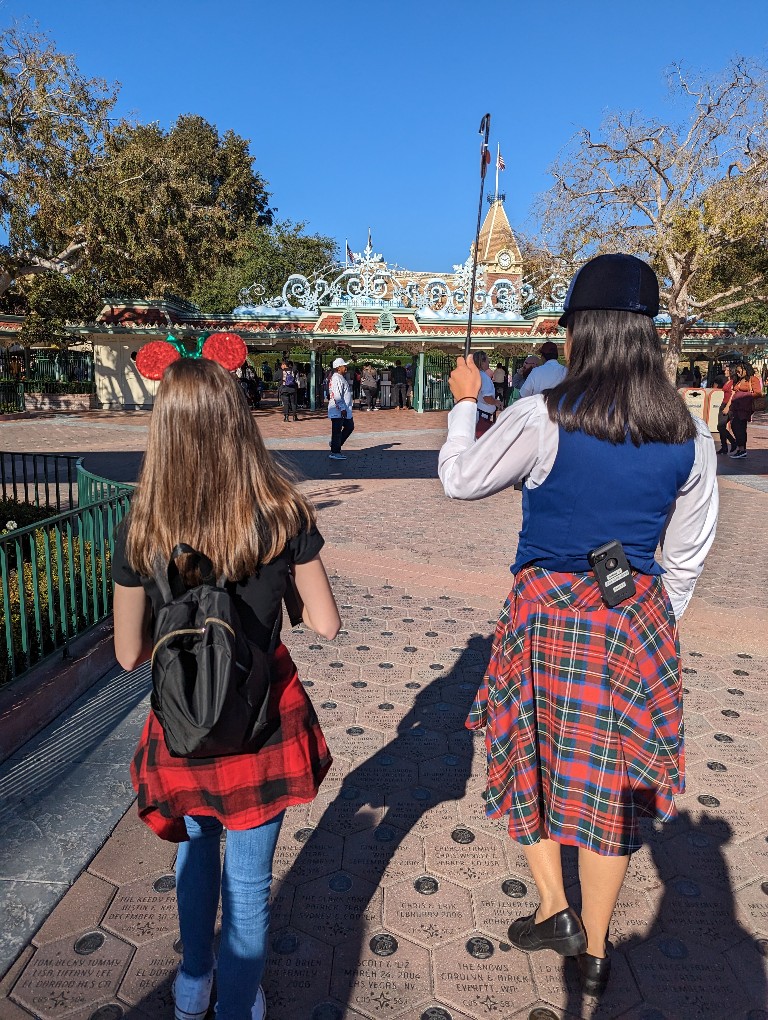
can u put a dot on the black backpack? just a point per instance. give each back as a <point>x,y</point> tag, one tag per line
<point>210,683</point>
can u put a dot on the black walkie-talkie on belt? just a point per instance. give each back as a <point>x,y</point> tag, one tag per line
<point>612,572</point>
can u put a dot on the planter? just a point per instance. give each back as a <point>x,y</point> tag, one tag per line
<point>58,401</point>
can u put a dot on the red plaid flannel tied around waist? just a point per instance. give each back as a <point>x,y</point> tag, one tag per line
<point>583,712</point>
<point>241,790</point>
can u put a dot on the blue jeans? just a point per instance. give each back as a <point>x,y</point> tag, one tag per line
<point>244,885</point>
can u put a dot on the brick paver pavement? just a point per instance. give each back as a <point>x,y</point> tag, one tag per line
<point>392,891</point>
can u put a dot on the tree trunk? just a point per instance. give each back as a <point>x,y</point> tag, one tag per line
<point>674,347</point>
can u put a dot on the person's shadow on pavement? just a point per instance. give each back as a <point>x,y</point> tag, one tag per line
<point>336,894</point>
<point>695,955</point>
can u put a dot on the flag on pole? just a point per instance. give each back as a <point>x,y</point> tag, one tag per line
<point>370,242</point>
<point>500,164</point>
<point>350,254</point>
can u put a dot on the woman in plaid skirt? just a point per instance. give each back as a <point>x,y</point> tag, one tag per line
<point>208,480</point>
<point>581,702</point>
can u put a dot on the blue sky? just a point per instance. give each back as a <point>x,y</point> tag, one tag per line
<point>366,115</point>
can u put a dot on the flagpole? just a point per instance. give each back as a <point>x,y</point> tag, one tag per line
<point>498,153</point>
<point>485,129</point>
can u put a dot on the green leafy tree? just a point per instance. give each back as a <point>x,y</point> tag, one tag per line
<point>266,257</point>
<point>52,125</point>
<point>92,207</point>
<point>691,198</point>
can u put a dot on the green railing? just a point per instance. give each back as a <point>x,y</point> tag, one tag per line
<point>93,488</point>
<point>55,582</point>
<point>44,479</point>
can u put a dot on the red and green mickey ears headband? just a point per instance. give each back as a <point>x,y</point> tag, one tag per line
<point>227,349</point>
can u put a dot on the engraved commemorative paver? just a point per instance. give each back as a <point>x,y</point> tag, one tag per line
<point>148,979</point>
<point>499,902</point>
<point>429,910</point>
<point>384,854</point>
<point>331,907</point>
<point>72,973</point>
<point>347,809</point>
<point>752,906</point>
<point>305,852</point>
<point>557,980</point>
<point>418,743</point>
<point>357,742</point>
<point>677,976</point>
<point>296,975</point>
<point>383,976</point>
<point>382,714</point>
<point>474,974</point>
<point>386,772</point>
<point>143,909</point>
<point>462,860</point>
<point>691,906</point>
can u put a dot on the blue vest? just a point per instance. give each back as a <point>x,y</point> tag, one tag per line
<point>598,491</point>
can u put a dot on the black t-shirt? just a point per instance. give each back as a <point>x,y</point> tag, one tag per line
<point>258,598</point>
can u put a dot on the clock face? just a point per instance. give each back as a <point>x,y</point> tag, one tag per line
<point>504,259</point>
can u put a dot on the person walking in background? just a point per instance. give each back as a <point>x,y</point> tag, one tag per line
<point>399,386</point>
<point>582,698</point>
<point>745,387</point>
<point>487,402</point>
<point>547,375</point>
<point>500,381</point>
<point>409,384</point>
<point>301,385</point>
<point>207,480</point>
<point>531,362</point>
<point>339,409</point>
<point>288,391</point>
<point>723,382</point>
<point>370,385</point>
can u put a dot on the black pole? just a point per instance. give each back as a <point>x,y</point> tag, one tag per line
<point>485,129</point>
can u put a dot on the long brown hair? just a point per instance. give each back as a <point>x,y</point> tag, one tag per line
<point>616,385</point>
<point>208,480</point>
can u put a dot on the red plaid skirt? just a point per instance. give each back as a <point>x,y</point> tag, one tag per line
<point>241,790</point>
<point>583,712</point>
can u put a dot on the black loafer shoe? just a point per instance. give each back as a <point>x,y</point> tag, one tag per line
<point>562,932</point>
<point>594,972</point>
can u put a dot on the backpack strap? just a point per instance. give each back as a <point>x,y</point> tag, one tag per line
<point>168,579</point>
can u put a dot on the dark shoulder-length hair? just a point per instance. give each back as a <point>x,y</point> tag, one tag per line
<point>616,385</point>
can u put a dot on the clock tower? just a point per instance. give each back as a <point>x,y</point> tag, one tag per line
<point>498,252</point>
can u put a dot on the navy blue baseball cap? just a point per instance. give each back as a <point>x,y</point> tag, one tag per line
<point>619,283</point>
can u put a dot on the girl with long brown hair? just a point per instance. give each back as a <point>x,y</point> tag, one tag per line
<point>207,480</point>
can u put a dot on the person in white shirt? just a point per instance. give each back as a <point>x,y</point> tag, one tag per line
<point>339,409</point>
<point>582,699</point>
<point>547,375</point>
<point>487,402</point>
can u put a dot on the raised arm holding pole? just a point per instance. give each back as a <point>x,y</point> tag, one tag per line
<point>485,158</point>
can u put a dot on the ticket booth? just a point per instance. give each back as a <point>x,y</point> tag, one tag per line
<point>715,400</point>
<point>695,401</point>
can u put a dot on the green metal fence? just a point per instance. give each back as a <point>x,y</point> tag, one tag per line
<point>55,582</point>
<point>43,479</point>
<point>93,488</point>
